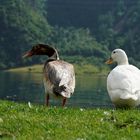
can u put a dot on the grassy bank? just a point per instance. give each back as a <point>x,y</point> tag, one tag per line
<point>22,122</point>
<point>79,69</point>
<point>34,68</point>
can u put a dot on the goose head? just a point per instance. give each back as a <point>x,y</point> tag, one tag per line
<point>119,56</point>
<point>42,49</point>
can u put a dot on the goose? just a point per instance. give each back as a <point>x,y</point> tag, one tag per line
<point>58,75</point>
<point>123,82</point>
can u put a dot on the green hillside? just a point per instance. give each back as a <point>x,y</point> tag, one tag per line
<point>84,32</point>
<point>22,24</point>
<point>114,23</point>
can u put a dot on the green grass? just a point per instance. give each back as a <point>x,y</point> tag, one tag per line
<point>20,122</point>
<point>34,68</point>
<point>79,69</point>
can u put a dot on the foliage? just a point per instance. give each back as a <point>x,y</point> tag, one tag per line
<point>22,24</point>
<point>85,37</point>
<point>77,43</point>
<point>114,24</point>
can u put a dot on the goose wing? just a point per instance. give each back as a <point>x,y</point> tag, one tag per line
<point>124,78</point>
<point>61,75</point>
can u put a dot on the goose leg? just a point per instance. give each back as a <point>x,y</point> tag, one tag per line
<point>64,101</point>
<point>47,100</point>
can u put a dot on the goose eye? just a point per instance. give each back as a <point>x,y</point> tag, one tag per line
<point>35,47</point>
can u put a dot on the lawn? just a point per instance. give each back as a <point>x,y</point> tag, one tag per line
<point>23,121</point>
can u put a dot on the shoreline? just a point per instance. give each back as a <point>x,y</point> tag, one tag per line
<point>87,69</point>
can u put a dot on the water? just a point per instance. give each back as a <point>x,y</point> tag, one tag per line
<point>26,87</point>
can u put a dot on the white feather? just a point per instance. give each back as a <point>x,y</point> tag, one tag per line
<point>123,84</point>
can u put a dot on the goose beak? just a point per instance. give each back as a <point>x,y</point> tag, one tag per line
<point>28,54</point>
<point>109,61</point>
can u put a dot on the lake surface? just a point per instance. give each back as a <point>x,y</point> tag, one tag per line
<point>26,87</point>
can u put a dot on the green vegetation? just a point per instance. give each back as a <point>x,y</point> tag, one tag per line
<point>22,24</point>
<point>34,68</point>
<point>84,36</point>
<point>113,23</point>
<point>79,69</point>
<point>35,122</point>
<point>87,33</point>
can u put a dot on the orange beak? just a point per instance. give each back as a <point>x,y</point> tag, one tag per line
<point>28,54</point>
<point>109,61</point>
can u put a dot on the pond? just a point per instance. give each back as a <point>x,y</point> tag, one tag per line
<point>90,90</point>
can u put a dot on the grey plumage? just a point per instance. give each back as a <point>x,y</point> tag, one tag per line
<point>59,76</point>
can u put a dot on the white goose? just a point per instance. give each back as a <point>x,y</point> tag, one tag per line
<point>123,82</point>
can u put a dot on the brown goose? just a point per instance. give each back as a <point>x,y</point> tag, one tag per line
<point>59,76</point>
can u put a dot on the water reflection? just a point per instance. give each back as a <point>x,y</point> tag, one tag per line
<point>90,90</point>
<point>21,87</point>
